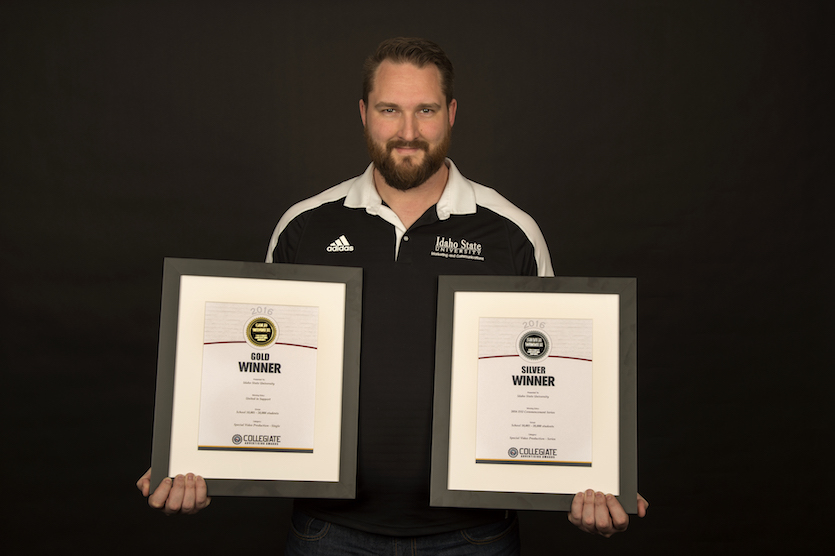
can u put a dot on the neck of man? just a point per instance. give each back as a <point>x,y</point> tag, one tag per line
<point>410,205</point>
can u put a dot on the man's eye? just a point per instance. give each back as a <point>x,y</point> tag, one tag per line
<point>388,110</point>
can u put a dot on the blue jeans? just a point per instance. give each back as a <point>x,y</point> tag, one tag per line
<point>313,537</point>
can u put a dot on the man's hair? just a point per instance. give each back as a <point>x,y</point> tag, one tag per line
<point>400,50</point>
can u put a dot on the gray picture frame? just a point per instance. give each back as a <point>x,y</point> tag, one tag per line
<point>173,270</point>
<point>626,290</point>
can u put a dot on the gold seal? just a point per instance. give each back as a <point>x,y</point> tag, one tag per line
<point>261,332</point>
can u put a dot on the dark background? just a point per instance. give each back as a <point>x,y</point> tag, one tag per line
<point>686,143</point>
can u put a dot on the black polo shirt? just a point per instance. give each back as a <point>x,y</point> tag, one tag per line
<point>473,231</point>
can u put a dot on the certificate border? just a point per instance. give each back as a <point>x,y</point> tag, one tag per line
<point>626,289</point>
<point>173,270</point>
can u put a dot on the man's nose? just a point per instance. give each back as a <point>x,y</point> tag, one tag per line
<point>409,129</point>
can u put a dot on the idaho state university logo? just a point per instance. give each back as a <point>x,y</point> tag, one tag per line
<point>533,345</point>
<point>261,332</point>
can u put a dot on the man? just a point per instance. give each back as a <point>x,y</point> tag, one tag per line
<point>396,221</point>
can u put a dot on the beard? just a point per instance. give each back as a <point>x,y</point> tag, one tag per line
<point>407,175</point>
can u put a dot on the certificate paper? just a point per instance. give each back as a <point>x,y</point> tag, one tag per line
<point>258,377</point>
<point>534,391</point>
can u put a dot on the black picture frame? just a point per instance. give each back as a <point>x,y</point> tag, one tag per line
<point>270,278</point>
<point>489,287</point>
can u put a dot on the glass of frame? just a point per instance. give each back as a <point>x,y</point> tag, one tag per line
<point>535,391</point>
<point>258,378</point>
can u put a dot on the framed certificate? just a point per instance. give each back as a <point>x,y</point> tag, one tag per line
<point>535,391</point>
<point>258,378</point>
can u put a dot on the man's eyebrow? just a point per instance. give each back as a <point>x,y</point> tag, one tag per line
<point>432,105</point>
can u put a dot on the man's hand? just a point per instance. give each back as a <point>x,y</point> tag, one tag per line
<point>594,512</point>
<point>182,495</point>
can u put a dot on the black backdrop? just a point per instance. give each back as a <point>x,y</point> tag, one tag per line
<point>685,143</point>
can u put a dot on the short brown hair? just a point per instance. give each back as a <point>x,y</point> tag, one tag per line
<point>419,52</point>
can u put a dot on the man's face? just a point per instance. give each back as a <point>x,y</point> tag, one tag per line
<point>408,125</point>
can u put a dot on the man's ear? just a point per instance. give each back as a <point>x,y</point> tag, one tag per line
<point>452,109</point>
<point>362,112</point>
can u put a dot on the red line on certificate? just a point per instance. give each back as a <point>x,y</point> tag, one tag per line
<point>229,342</point>
<point>549,357</point>
<point>296,345</point>
<point>243,342</point>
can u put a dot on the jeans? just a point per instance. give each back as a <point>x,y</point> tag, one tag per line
<point>309,536</point>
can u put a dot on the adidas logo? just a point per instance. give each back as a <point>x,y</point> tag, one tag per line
<point>340,244</point>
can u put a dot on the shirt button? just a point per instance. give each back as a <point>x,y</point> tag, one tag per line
<point>405,238</point>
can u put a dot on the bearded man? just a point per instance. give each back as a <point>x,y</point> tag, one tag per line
<point>397,221</point>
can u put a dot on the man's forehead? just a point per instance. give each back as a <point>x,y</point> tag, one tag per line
<point>402,77</point>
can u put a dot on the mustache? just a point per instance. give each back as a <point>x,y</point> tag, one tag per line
<point>399,143</point>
